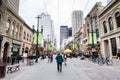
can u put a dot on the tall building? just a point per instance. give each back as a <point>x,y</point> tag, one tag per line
<point>63,33</point>
<point>77,20</point>
<point>47,28</point>
<point>13,5</point>
<point>108,1</point>
<point>70,32</point>
<point>46,24</point>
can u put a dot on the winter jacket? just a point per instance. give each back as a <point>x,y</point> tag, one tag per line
<point>59,58</point>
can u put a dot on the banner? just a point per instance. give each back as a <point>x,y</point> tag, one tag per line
<point>90,38</point>
<point>48,46</point>
<point>39,38</point>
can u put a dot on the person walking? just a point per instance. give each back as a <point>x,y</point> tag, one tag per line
<point>118,53</point>
<point>59,60</point>
<point>65,59</point>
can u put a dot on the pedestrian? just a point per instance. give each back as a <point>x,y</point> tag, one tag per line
<point>65,59</point>
<point>118,53</point>
<point>59,60</point>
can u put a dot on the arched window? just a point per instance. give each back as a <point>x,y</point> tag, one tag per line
<point>24,35</point>
<point>105,27</point>
<point>7,26</point>
<point>110,23</point>
<point>117,16</point>
<point>27,36</point>
<point>13,26</point>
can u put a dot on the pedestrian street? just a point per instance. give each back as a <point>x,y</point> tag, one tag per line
<point>75,69</point>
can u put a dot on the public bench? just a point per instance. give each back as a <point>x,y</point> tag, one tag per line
<point>13,68</point>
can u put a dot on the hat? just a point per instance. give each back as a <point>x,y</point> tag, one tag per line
<point>58,52</point>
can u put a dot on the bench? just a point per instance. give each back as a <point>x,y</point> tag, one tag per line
<point>12,68</point>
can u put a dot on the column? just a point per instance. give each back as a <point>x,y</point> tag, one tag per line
<point>102,48</point>
<point>118,41</point>
<point>110,49</point>
<point>114,24</point>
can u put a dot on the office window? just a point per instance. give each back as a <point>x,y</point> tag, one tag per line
<point>117,16</point>
<point>105,27</point>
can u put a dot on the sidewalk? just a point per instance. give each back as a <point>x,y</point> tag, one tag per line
<point>23,67</point>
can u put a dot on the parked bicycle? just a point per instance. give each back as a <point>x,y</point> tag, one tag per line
<point>106,61</point>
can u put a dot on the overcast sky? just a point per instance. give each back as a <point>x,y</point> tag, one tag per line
<point>60,10</point>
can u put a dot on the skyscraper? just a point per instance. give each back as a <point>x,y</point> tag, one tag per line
<point>108,1</point>
<point>77,20</point>
<point>63,33</point>
<point>47,25</point>
<point>13,5</point>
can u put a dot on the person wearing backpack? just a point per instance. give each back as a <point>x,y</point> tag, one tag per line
<point>59,60</point>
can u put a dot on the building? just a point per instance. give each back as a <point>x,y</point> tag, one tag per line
<point>92,23</point>
<point>47,27</point>
<point>46,24</point>
<point>70,32</point>
<point>12,27</point>
<point>63,33</point>
<point>110,28</point>
<point>77,20</point>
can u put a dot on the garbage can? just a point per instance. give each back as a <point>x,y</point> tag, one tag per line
<point>2,70</point>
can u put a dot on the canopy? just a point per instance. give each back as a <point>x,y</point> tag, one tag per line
<point>67,51</point>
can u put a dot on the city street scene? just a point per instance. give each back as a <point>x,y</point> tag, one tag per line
<point>59,39</point>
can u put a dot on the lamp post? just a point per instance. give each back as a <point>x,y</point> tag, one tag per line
<point>91,20</point>
<point>47,42</point>
<point>37,52</point>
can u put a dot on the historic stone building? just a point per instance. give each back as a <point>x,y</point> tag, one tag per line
<point>92,23</point>
<point>15,34</point>
<point>110,28</point>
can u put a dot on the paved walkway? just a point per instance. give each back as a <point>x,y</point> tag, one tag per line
<point>76,69</point>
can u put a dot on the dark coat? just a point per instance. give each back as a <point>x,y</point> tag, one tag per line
<point>59,58</point>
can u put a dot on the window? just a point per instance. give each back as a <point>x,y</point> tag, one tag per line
<point>117,16</point>
<point>0,2</point>
<point>97,33</point>
<point>24,35</point>
<point>7,26</point>
<point>27,37</point>
<point>13,25</point>
<point>105,27</point>
<point>110,23</point>
<point>96,19</point>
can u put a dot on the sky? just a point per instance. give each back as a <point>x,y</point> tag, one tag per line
<point>59,10</point>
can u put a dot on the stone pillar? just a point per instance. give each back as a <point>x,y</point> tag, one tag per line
<point>102,47</point>
<point>110,49</point>
<point>114,24</point>
<point>118,41</point>
<point>108,28</point>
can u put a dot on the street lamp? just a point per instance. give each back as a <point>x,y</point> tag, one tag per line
<point>37,52</point>
<point>91,19</point>
<point>47,42</point>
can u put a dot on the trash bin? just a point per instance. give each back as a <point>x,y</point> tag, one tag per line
<point>2,70</point>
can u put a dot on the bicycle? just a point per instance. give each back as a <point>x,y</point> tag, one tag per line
<point>106,61</point>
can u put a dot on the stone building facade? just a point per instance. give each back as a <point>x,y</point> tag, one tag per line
<point>110,28</point>
<point>15,34</point>
<point>92,23</point>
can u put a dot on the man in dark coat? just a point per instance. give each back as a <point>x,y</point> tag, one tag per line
<point>59,60</point>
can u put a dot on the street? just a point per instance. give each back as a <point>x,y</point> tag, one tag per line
<point>75,69</point>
